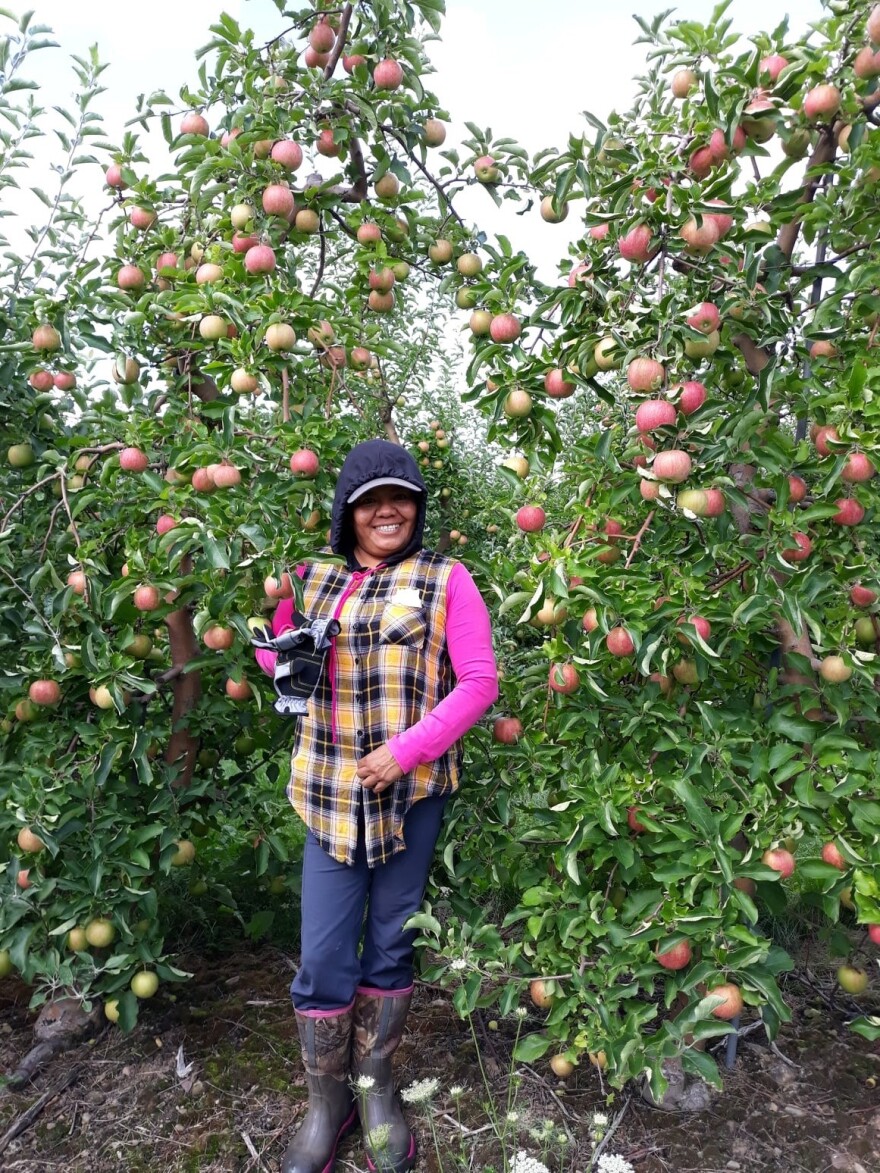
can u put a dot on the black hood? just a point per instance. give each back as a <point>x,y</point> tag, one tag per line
<point>368,462</point>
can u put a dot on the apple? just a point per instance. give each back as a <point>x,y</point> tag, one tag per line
<point>287,154</point>
<point>327,144</point>
<point>46,337</point>
<point>772,66</point>
<point>852,979</point>
<point>212,327</point>
<point>822,348</point>
<point>683,82</point>
<point>597,232</point>
<point>194,123</point>
<point>873,25</point>
<point>20,456</point>
<point>281,588</point>
<point>130,277</point>
<point>28,841</point>
<point>226,476</point>
<point>858,468</point>
<point>560,1066</point>
<point>672,466</point>
<point>185,854</point>
<point>590,620</point>
<point>822,101</point>
<point>280,336</point>
<point>702,627</point>
<point>540,994</point>
<point>22,878</point>
<point>146,598</point>
<point>517,404</point>
<point>101,697</point>
<point>441,251</point>
<point>241,215</point>
<point>720,150</point>
<point>380,303</point>
<point>779,860</point>
<point>550,212</point>
<point>733,1000</point>
<point>277,200</point>
<point>480,323</point>
<point>701,162</point>
<point>695,501</point>
<point>685,672</point>
<point>849,512</point>
<point>801,550</point>
<point>144,984</point>
<point>556,386</point>
<point>434,133</point>
<point>861,596</point>
<point>654,414</point>
<point>141,218</point>
<point>238,690</point>
<point>140,647</point>
<point>831,854</point>
<point>874,934</point>
<point>797,489</point>
<point>867,63</point>
<point>704,317</point>
<point>635,246</point>
<point>133,460</point>
<point>518,465</point>
<point>676,957</point>
<point>113,176</point>
<point>387,187</point>
<point>530,518</point>
<point>507,730</point>
<point>41,380</point>
<point>700,238</point>
<point>388,74</point>
<point>486,170</point>
<point>260,259</point>
<point>100,932</point>
<point>77,941</point>
<point>76,580</point>
<point>632,820</point>
<point>243,382</point>
<point>822,439</point>
<point>564,678</point>
<point>619,642</point>
<point>760,119</point>
<point>45,692</point>
<point>835,670</point>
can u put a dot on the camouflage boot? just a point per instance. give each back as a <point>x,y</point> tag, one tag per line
<point>379,1018</point>
<point>326,1045</point>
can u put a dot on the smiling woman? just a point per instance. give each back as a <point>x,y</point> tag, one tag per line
<point>374,761</point>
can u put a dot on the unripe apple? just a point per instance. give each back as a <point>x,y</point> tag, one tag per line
<point>485,169</point>
<point>685,672</point>
<point>20,455</point>
<point>560,1066</point>
<point>441,251</point>
<point>703,347</point>
<point>280,336</point>
<point>243,382</point>
<point>212,327</point>
<point>852,979</point>
<point>606,354</point>
<point>695,501</point>
<point>469,264</point>
<point>241,215</point>
<point>144,984</point>
<point>518,465</point>
<point>835,669</point>
<point>517,404</point>
<point>307,221</point>
<point>683,82</point>
<point>208,273</point>
<point>760,119</point>
<point>100,932</point>
<point>550,212</point>
<point>434,133</point>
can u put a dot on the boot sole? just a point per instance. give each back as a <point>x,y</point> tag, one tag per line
<point>408,1161</point>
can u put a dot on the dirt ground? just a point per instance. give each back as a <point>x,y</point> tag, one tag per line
<point>126,1107</point>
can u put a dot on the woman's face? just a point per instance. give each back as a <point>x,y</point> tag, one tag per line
<point>384,521</point>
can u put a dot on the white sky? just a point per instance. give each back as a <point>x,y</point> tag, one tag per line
<point>497,66</point>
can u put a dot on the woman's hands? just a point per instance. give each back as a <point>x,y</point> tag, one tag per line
<point>378,770</point>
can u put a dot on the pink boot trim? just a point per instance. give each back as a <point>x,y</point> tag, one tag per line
<point>372,992</point>
<point>326,1013</point>
<point>344,1129</point>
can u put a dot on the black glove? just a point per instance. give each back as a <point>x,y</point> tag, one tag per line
<point>301,654</point>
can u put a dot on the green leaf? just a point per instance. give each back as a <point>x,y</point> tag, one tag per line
<point>531,1047</point>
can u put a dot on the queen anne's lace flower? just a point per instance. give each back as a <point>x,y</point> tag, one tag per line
<point>523,1163</point>
<point>458,963</point>
<point>421,1091</point>
<point>612,1163</point>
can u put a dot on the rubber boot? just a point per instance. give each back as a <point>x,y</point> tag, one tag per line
<point>326,1050</point>
<point>379,1019</point>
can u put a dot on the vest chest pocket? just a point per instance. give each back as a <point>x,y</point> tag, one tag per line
<point>403,626</point>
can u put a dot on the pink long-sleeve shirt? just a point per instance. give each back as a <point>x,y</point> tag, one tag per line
<point>469,642</point>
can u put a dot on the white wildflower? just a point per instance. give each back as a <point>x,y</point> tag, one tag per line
<point>379,1137</point>
<point>458,964</point>
<point>599,1119</point>
<point>421,1091</point>
<point>456,1091</point>
<point>364,1083</point>
<point>520,1012</point>
<point>523,1163</point>
<point>512,1117</point>
<point>612,1163</point>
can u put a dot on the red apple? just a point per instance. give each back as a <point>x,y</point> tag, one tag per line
<point>874,934</point>
<point>130,277</point>
<point>619,642</point>
<point>505,328</point>
<point>218,638</point>
<point>238,690</point>
<point>278,588</point>
<point>287,153</point>
<point>507,730</point>
<point>801,550</point>
<point>822,438</point>
<point>704,317</point>
<point>563,678</point>
<point>772,66</point>
<point>822,101</point>
<point>260,259</point>
<point>655,413</point>
<point>672,466</point>
<point>632,818</point>
<point>733,1000</point>
<point>556,386</point>
<point>146,598</point>
<point>636,245</point>
<point>677,957</point>
<point>797,489</point>
<point>388,74</point>
<point>857,468</point>
<point>779,860</point>
<point>277,200</point>
<point>164,523</point>
<point>530,518</point>
<point>849,512</point>
<point>861,596</point>
<point>194,123</point>
<point>133,460</point>
<point>831,854</point>
<point>304,462</point>
<point>45,692</point>
<point>645,374</point>
<point>590,620</point>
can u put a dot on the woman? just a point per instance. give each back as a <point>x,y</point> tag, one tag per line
<point>373,763</point>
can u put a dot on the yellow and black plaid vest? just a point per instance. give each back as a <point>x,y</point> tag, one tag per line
<point>392,667</point>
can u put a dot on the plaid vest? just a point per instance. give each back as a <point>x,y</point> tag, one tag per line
<point>388,669</point>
